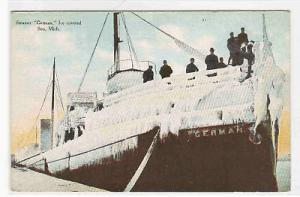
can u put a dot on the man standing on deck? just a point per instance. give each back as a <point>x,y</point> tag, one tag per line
<point>230,45</point>
<point>243,37</point>
<point>221,63</point>
<point>211,60</point>
<point>165,70</point>
<point>249,55</point>
<point>191,67</point>
<point>148,74</point>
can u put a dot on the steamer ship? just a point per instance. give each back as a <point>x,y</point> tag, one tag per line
<point>212,130</point>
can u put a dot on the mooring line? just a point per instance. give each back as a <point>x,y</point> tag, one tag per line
<point>143,164</point>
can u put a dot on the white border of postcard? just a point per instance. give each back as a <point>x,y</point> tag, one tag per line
<point>81,5</point>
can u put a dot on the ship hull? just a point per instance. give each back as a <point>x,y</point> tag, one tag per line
<point>212,163</point>
<point>211,159</point>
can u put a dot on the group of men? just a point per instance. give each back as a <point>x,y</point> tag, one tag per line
<point>212,61</point>
<point>237,54</point>
<point>239,49</point>
<point>165,71</point>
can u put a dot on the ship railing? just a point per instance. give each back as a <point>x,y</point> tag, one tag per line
<point>38,163</point>
<point>128,64</point>
<point>27,158</point>
<point>183,81</point>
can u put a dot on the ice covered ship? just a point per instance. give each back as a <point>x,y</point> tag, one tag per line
<point>212,130</point>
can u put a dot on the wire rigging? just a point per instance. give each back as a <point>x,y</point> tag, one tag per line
<point>130,40</point>
<point>178,42</point>
<point>91,57</point>
<point>59,92</point>
<point>129,48</point>
<point>56,97</point>
<point>44,99</point>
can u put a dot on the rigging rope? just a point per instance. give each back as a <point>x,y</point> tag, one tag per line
<point>143,164</point>
<point>130,40</point>
<point>45,97</point>
<point>46,93</point>
<point>129,48</point>
<point>91,57</point>
<point>59,92</point>
<point>179,43</point>
<point>56,112</point>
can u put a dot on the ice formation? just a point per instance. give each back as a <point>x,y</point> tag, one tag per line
<point>27,151</point>
<point>124,80</point>
<point>179,102</point>
<point>73,119</point>
<point>270,82</point>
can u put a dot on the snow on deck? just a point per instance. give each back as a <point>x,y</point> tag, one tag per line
<point>179,102</point>
<point>25,180</point>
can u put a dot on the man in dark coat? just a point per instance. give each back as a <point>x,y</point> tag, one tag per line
<point>221,63</point>
<point>230,45</point>
<point>148,74</point>
<point>243,37</point>
<point>249,55</point>
<point>211,60</point>
<point>165,70</point>
<point>230,41</point>
<point>234,47</point>
<point>191,67</point>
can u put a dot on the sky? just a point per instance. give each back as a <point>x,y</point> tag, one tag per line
<point>33,50</point>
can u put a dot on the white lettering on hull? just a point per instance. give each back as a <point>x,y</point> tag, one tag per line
<point>219,130</point>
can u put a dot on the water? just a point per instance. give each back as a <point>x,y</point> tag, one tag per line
<point>284,174</point>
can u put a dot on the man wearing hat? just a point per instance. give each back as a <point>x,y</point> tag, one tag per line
<point>191,67</point>
<point>211,60</point>
<point>230,41</point>
<point>221,64</point>
<point>249,55</point>
<point>165,70</point>
<point>233,45</point>
<point>243,37</point>
<point>148,74</point>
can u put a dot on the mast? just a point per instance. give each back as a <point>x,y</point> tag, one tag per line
<point>52,103</point>
<point>265,35</point>
<point>267,43</point>
<point>116,42</point>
